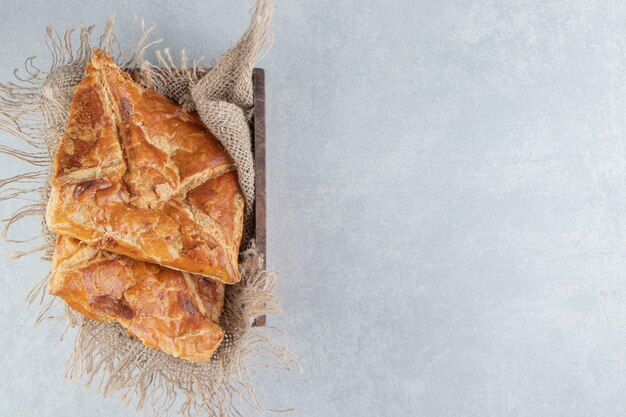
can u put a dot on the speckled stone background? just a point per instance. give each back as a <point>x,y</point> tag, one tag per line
<point>447,205</point>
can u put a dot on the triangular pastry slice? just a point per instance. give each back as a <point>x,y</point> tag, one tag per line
<point>174,311</point>
<point>137,175</point>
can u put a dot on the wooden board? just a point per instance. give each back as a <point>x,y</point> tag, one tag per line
<point>258,78</point>
<point>258,85</point>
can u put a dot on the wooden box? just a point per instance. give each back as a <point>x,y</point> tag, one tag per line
<point>258,148</point>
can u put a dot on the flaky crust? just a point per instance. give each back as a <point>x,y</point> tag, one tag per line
<point>137,175</point>
<point>169,310</point>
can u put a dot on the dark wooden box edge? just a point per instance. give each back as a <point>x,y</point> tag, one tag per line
<point>258,125</point>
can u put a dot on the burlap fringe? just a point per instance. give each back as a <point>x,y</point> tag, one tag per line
<point>34,109</point>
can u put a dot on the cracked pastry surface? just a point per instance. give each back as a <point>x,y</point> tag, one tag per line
<point>136,175</point>
<point>170,310</point>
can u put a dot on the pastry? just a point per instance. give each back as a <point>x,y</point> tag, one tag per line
<point>137,175</point>
<point>174,311</point>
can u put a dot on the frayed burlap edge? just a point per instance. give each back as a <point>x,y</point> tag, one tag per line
<point>34,109</point>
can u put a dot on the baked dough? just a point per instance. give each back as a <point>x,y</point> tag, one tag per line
<point>137,175</point>
<point>170,310</point>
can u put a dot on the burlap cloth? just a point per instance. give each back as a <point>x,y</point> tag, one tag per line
<point>35,108</point>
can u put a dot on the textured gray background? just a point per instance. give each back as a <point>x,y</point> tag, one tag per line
<point>447,205</point>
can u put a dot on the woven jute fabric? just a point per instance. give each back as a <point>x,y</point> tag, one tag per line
<point>35,107</point>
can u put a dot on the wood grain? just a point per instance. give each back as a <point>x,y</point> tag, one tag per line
<point>258,85</point>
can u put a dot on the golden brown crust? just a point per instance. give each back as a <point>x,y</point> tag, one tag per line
<point>166,309</point>
<point>137,175</point>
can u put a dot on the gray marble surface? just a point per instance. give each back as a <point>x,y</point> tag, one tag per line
<point>447,205</point>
